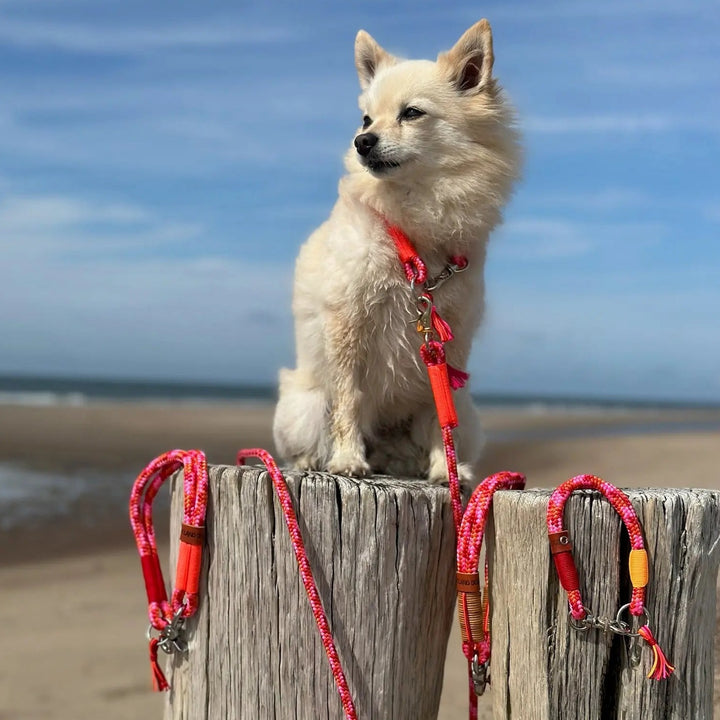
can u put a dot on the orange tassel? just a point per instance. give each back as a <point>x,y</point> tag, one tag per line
<point>661,669</point>
<point>160,684</point>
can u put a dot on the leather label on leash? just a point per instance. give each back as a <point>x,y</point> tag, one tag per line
<point>560,542</point>
<point>192,535</point>
<point>468,582</point>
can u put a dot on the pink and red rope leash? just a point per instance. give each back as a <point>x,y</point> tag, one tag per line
<point>306,574</point>
<point>473,605</point>
<point>561,549</point>
<point>168,617</point>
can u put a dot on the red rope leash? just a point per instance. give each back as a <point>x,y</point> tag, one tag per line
<point>168,617</point>
<point>283,494</point>
<point>443,378</point>
<point>473,607</point>
<point>561,549</point>
<point>433,355</point>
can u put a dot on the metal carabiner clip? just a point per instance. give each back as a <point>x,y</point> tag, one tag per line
<point>171,639</point>
<point>445,274</point>
<point>424,320</point>
<point>480,675</point>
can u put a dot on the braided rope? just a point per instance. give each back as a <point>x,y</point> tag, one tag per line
<point>562,555</point>
<point>142,495</point>
<point>306,574</point>
<point>475,609</point>
<point>453,478</point>
<point>412,264</point>
<point>472,528</point>
<point>470,525</point>
<point>620,501</point>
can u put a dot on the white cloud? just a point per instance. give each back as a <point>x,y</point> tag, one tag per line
<point>212,318</point>
<point>154,123</point>
<point>629,124</point>
<point>21,212</point>
<point>596,338</point>
<point>33,226</point>
<point>608,199</point>
<point>663,72</point>
<point>167,311</point>
<point>530,238</point>
<point>112,39</point>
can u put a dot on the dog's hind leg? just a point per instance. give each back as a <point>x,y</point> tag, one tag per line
<point>301,422</point>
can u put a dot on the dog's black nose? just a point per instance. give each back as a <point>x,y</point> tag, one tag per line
<point>365,142</point>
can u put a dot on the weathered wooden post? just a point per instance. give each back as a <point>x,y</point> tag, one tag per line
<point>383,557</point>
<point>544,670</point>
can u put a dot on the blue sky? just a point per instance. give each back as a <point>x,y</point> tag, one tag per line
<point>161,163</point>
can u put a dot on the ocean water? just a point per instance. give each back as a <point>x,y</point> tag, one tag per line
<point>28,496</point>
<point>18,390</point>
<point>41,391</point>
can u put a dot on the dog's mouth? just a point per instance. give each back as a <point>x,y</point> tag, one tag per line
<point>380,166</point>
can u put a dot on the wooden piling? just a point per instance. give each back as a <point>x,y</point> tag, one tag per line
<point>542,669</point>
<point>382,552</point>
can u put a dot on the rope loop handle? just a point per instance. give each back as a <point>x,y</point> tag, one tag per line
<point>168,615</point>
<point>561,550</point>
<point>474,606</point>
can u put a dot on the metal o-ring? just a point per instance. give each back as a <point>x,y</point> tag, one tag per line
<point>645,614</point>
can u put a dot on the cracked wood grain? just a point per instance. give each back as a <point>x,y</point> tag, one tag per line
<point>382,552</point>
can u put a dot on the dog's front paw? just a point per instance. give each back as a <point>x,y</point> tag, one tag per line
<point>305,463</point>
<point>352,464</point>
<point>438,474</point>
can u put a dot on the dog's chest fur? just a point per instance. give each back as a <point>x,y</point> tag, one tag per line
<point>363,294</point>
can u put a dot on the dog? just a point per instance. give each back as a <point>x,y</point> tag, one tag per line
<point>437,155</point>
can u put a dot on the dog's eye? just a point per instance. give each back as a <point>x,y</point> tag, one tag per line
<point>411,113</point>
<point>367,122</point>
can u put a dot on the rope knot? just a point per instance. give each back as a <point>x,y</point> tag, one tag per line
<point>432,353</point>
<point>414,267</point>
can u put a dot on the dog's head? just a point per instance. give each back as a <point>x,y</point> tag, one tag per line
<point>423,116</point>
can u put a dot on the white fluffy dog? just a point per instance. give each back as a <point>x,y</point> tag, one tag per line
<point>437,156</point>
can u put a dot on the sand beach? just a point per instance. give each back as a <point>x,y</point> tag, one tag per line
<point>71,598</point>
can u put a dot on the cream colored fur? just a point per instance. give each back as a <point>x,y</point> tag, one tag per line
<point>359,400</point>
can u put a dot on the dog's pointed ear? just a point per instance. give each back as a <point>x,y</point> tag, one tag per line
<point>369,56</point>
<point>469,64</point>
